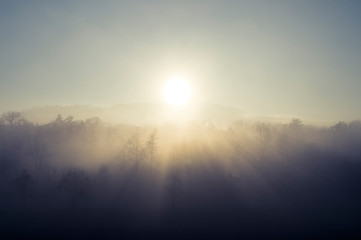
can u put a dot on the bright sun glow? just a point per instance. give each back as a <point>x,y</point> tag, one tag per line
<point>177,91</point>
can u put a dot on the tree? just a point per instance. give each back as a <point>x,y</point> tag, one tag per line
<point>13,118</point>
<point>263,135</point>
<point>59,118</point>
<point>94,122</point>
<point>38,152</point>
<point>69,119</point>
<point>295,124</point>
<point>134,148</point>
<point>152,145</point>
<point>23,184</point>
<point>75,183</point>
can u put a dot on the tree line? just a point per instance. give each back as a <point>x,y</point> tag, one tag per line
<point>76,175</point>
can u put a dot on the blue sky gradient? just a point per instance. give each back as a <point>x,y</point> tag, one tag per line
<point>300,58</point>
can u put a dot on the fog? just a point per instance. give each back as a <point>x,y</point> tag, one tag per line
<point>85,178</point>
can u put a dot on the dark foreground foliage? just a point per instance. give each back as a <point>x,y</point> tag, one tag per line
<point>85,179</point>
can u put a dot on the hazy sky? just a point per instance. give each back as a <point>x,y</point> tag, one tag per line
<point>299,58</point>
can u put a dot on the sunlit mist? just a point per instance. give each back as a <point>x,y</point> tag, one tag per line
<point>174,119</point>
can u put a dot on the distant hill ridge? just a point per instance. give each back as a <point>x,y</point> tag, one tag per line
<point>147,113</point>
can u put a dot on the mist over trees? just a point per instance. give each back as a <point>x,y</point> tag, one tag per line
<point>84,178</point>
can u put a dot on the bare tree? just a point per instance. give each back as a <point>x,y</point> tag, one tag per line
<point>13,118</point>
<point>38,151</point>
<point>75,183</point>
<point>151,146</point>
<point>263,135</point>
<point>134,149</point>
<point>59,118</point>
<point>295,124</point>
<point>23,185</point>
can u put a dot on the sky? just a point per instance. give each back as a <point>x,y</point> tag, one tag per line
<point>294,58</point>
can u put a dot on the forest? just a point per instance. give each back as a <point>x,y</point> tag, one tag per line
<point>254,180</point>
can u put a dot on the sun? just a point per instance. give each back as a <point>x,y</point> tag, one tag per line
<point>177,91</point>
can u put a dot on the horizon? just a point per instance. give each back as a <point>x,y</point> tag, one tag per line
<point>195,113</point>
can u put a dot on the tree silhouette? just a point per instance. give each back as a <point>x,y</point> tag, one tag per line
<point>134,149</point>
<point>75,183</point>
<point>151,146</point>
<point>263,135</point>
<point>13,118</point>
<point>23,185</point>
<point>295,124</point>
